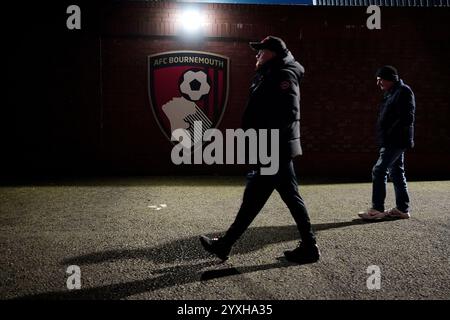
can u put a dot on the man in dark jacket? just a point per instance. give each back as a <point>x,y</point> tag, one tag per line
<point>274,103</point>
<point>395,134</point>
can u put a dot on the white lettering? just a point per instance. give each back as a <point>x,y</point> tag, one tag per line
<point>74,20</point>
<point>374,21</point>
<point>74,280</point>
<point>181,152</point>
<point>374,280</point>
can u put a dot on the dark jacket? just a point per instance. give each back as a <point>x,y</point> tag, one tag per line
<point>274,102</point>
<point>395,125</point>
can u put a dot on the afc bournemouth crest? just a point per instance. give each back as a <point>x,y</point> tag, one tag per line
<point>187,86</point>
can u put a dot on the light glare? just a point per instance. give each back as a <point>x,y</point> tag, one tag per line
<point>192,20</point>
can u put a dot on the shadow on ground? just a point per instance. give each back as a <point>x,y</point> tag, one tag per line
<point>180,251</point>
<point>186,249</point>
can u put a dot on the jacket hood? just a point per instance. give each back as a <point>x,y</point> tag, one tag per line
<point>289,62</point>
<point>286,61</point>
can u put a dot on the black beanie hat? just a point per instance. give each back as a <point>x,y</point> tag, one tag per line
<point>387,73</point>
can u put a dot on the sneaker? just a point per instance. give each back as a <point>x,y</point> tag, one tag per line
<point>371,214</point>
<point>397,214</point>
<point>303,254</point>
<point>216,246</point>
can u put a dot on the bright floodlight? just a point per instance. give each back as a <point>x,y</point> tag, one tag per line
<point>192,20</point>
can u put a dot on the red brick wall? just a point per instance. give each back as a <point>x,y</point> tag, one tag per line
<point>339,96</point>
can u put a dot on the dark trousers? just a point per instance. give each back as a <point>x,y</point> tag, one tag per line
<point>257,192</point>
<point>390,160</point>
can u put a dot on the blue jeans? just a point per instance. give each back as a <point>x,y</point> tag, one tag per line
<point>391,160</point>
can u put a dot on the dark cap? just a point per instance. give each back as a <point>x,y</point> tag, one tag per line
<point>387,73</point>
<point>271,43</point>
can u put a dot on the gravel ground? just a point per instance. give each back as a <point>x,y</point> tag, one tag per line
<point>137,238</point>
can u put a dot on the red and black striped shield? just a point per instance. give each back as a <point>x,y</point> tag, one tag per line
<point>187,86</point>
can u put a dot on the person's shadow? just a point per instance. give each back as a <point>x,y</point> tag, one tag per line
<point>179,252</point>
